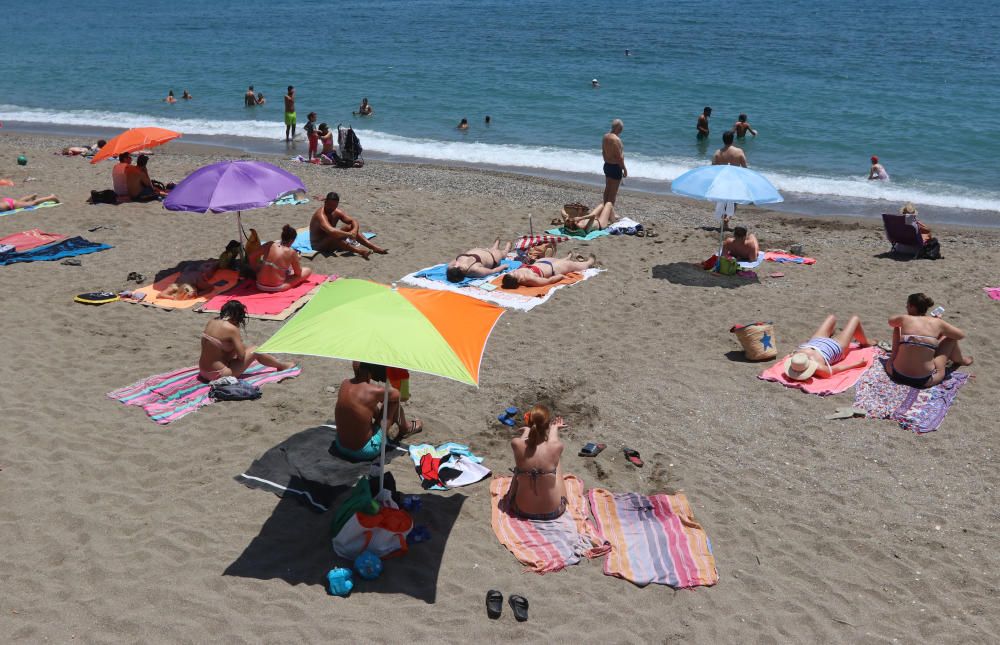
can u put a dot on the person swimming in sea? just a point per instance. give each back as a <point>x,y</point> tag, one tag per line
<point>877,171</point>
<point>741,127</point>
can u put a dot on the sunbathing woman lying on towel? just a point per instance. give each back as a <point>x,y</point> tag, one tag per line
<point>821,355</point>
<point>478,262</point>
<point>277,263</point>
<point>545,271</point>
<point>358,414</point>
<point>222,350</point>
<point>537,491</point>
<point>922,345</point>
<point>598,219</point>
<point>194,280</point>
<point>10,204</point>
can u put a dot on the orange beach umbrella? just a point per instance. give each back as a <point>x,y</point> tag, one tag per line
<point>135,139</point>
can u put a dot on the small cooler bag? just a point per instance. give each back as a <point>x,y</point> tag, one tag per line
<point>383,533</point>
<point>757,340</point>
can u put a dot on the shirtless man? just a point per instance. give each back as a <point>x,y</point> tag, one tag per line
<point>614,161</point>
<point>741,246</point>
<point>358,414</point>
<point>545,272</point>
<point>478,262</point>
<point>290,114</point>
<point>728,154</point>
<point>249,100</point>
<point>741,127</point>
<point>325,236</point>
<point>703,123</point>
<point>140,186</point>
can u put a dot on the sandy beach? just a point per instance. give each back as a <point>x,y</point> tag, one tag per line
<point>115,529</point>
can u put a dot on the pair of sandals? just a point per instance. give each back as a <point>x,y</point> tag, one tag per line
<point>494,605</point>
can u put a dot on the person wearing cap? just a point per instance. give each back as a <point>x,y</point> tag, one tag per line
<point>877,171</point>
<point>326,236</point>
<point>594,84</point>
<point>821,355</point>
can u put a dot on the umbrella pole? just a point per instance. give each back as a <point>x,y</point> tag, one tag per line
<point>531,228</point>
<point>385,437</point>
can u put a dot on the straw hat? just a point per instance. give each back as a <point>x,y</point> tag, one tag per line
<point>799,366</point>
<point>908,209</point>
<point>575,209</point>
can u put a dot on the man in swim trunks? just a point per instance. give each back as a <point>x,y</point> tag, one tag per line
<point>702,124</point>
<point>545,272</point>
<point>249,100</point>
<point>478,262</point>
<point>614,161</point>
<point>325,236</point>
<point>290,114</point>
<point>728,155</point>
<point>742,246</point>
<point>358,414</point>
<point>741,127</point>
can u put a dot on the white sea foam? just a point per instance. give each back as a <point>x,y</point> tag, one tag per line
<point>530,158</point>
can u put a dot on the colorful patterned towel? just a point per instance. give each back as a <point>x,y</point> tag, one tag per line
<point>30,208</point>
<point>65,249</point>
<point>787,258</point>
<point>992,292</point>
<point>824,386</point>
<point>268,305</point>
<point>524,299</point>
<point>653,539</point>
<point>170,396</point>
<point>544,546</point>
<point>917,410</point>
<point>525,242</point>
<point>27,240</point>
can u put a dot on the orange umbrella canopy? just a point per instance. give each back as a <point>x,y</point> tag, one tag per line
<point>135,139</point>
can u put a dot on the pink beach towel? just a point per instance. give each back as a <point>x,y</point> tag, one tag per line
<point>544,546</point>
<point>992,292</point>
<point>173,395</point>
<point>27,240</point>
<point>824,386</point>
<point>787,258</point>
<point>260,303</point>
<point>654,539</point>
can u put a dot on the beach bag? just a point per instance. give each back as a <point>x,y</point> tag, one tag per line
<point>252,243</point>
<point>239,391</point>
<point>931,249</point>
<point>757,340</point>
<point>103,197</point>
<point>383,533</point>
<point>728,266</point>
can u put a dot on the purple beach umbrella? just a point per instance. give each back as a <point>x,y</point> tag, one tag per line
<point>232,186</point>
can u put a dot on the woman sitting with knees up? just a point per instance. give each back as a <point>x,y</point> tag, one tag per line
<point>222,350</point>
<point>821,355</point>
<point>544,272</point>
<point>922,345</point>
<point>537,490</point>
<point>277,263</point>
<point>598,219</point>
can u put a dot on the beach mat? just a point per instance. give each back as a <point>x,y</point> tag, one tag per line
<point>438,273</point>
<point>306,467</point>
<point>266,305</point>
<point>787,258</point>
<point>27,240</point>
<point>654,539</point>
<point>545,546</point>
<point>30,208</point>
<point>66,249</point>
<point>622,224</point>
<point>168,397</point>
<point>825,386</point>
<point>919,410</point>
<point>290,200</point>
<point>222,280</point>
<point>510,299</point>
<point>303,243</point>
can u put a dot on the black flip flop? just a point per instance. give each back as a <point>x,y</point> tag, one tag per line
<point>519,605</point>
<point>633,457</point>
<point>494,603</point>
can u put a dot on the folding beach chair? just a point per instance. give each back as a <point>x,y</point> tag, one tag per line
<point>904,236</point>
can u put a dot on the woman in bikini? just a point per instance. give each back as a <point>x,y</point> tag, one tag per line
<point>922,345</point>
<point>478,262</point>
<point>545,272</point>
<point>222,350</point>
<point>821,355</point>
<point>11,204</point>
<point>537,490</point>
<point>598,219</point>
<point>277,263</point>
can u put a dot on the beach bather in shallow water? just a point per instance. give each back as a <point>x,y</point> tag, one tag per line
<point>598,219</point>
<point>537,490</point>
<point>277,263</point>
<point>10,204</point>
<point>922,345</point>
<point>478,262</point>
<point>222,350</point>
<point>358,414</point>
<point>545,272</point>
<point>822,354</point>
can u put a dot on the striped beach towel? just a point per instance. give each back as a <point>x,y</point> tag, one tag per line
<point>653,539</point>
<point>170,396</point>
<point>544,546</point>
<point>525,242</point>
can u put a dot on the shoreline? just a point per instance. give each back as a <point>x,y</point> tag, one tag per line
<point>795,204</point>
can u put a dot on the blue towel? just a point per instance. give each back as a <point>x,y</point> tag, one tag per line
<point>30,208</point>
<point>578,235</point>
<point>303,245</point>
<point>290,200</point>
<point>65,249</point>
<point>437,274</point>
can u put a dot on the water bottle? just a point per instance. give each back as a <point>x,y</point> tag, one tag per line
<point>937,311</point>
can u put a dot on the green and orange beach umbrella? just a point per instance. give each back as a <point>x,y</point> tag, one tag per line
<point>422,330</point>
<point>133,140</point>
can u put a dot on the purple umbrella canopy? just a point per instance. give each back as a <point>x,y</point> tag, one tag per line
<point>232,186</point>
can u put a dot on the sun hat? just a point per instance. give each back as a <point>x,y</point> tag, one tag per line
<point>799,366</point>
<point>908,209</point>
<point>874,159</point>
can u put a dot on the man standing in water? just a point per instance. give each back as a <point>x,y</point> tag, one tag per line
<point>614,161</point>
<point>290,114</point>
<point>703,123</point>
<point>727,155</point>
<point>249,100</point>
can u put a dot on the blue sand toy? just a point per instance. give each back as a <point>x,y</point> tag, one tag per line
<point>507,418</point>
<point>418,534</point>
<point>341,581</point>
<point>412,503</point>
<point>368,565</point>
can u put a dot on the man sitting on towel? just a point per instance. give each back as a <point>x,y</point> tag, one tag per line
<point>325,236</point>
<point>359,414</point>
<point>742,246</point>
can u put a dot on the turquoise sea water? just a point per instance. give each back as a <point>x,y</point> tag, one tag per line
<point>826,84</point>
